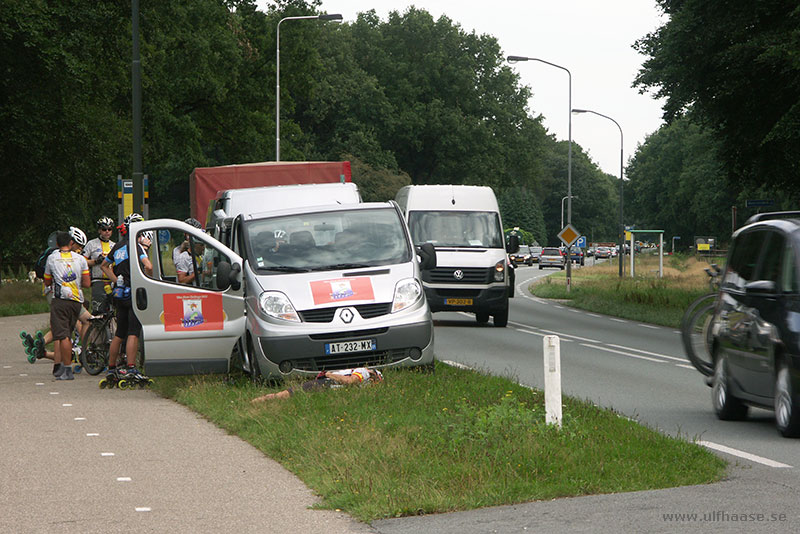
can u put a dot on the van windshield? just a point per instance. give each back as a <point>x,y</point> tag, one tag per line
<point>478,229</point>
<point>324,241</point>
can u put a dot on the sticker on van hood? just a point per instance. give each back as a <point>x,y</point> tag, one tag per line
<point>192,311</point>
<point>341,289</point>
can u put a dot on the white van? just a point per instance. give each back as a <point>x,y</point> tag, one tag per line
<point>463,223</point>
<point>300,290</point>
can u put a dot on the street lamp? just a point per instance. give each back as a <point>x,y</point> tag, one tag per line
<point>621,221</point>
<point>514,59</point>
<point>278,74</point>
<point>562,209</point>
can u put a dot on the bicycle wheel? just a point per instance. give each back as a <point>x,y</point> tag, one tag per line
<point>696,333</point>
<point>94,357</point>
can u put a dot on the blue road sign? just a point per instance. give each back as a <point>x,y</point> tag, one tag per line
<point>758,203</point>
<point>581,242</point>
<point>163,236</point>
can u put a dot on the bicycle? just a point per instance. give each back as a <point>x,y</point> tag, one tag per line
<point>696,325</point>
<point>94,356</point>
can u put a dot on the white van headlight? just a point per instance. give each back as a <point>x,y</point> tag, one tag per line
<point>406,293</point>
<point>277,305</point>
<point>500,271</point>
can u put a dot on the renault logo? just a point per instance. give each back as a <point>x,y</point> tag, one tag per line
<point>458,274</point>
<point>346,315</point>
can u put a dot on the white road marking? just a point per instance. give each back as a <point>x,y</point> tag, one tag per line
<point>619,320</point>
<point>92,434</point>
<point>557,306</point>
<point>66,404</point>
<point>23,374</point>
<point>623,353</point>
<point>39,383</point>
<point>647,352</point>
<point>648,326</point>
<point>106,454</point>
<point>142,509</point>
<point>742,454</point>
<point>572,336</point>
<point>594,315</point>
<point>529,332</point>
<point>6,367</point>
<point>123,479</point>
<point>457,365</point>
<point>684,366</point>
<point>80,419</point>
<point>54,393</point>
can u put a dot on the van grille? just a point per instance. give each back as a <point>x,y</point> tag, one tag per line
<point>352,334</point>
<point>472,275</point>
<point>325,315</point>
<point>456,293</point>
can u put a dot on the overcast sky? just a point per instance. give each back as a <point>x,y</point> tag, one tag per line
<point>591,38</point>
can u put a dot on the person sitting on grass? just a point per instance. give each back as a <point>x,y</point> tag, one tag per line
<point>329,379</point>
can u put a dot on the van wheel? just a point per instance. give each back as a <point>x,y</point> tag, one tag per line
<point>255,369</point>
<point>726,406</point>
<point>501,318</point>
<point>540,267</point>
<point>787,412</point>
<point>482,317</point>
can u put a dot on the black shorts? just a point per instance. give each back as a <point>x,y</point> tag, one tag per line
<point>127,322</point>
<point>63,316</point>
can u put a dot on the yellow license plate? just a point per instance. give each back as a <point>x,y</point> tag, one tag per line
<point>458,302</point>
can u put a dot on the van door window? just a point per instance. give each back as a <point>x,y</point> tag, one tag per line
<point>744,258</point>
<point>772,258</point>
<point>186,260</point>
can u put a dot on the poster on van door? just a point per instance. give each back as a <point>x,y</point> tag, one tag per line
<point>341,289</point>
<point>192,311</point>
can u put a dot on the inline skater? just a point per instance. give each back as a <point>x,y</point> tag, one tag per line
<point>116,266</point>
<point>95,252</point>
<point>66,271</point>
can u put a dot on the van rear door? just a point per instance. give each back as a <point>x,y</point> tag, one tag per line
<point>189,323</point>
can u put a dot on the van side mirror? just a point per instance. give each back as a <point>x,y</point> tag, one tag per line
<point>228,276</point>
<point>427,254</point>
<point>760,287</point>
<point>513,244</point>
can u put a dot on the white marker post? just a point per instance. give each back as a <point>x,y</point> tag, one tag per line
<point>552,379</point>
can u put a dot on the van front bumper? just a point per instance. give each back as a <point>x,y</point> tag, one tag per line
<point>400,345</point>
<point>492,299</point>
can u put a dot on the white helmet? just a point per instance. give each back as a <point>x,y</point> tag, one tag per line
<point>279,234</point>
<point>147,234</point>
<point>77,235</point>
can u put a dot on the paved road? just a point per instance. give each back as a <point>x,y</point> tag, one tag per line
<point>79,459</point>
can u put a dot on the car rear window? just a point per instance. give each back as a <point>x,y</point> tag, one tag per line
<point>551,252</point>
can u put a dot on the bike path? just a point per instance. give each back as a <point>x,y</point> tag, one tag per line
<point>76,458</point>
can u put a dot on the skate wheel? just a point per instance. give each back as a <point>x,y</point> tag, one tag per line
<point>77,369</point>
<point>122,384</point>
<point>150,382</point>
<point>31,358</point>
<point>103,383</point>
<point>23,334</point>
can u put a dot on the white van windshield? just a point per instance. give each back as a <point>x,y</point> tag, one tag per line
<point>324,241</point>
<point>479,229</point>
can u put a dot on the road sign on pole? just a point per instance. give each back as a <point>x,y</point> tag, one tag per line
<point>581,242</point>
<point>569,235</point>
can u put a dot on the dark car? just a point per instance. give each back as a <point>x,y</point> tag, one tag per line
<point>523,255</point>
<point>755,330</point>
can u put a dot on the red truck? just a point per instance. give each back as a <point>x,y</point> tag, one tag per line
<point>206,182</point>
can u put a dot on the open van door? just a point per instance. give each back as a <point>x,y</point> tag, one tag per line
<point>191,315</point>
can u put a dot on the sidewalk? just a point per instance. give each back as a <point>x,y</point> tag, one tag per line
<point>70,448</point>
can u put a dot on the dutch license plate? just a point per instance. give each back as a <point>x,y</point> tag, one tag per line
<point>458,302</point>
<point>351,346</point>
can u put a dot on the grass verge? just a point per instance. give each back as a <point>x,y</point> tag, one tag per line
<point>648,298</point>
<point>22,298</point>
<point>445,441</point>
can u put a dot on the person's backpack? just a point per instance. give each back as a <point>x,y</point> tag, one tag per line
<point>41,263</point>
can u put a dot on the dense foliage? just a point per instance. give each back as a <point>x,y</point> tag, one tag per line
<point>730,73</point>
<point>409,99</point>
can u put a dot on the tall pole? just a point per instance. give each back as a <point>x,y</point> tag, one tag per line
<point>335,16</point>
<point>621,232</point>
<point>514,59</point>
<point>136,80</point>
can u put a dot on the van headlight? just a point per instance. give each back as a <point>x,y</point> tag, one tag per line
<point>406,293</point>
<point>500,271</point>
<point>278,306</point>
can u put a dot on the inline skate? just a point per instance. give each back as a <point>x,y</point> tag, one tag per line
<point>130,377</point>
<point>34,345</point>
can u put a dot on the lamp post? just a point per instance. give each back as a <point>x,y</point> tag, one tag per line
<point>562,208</point>
<point>514,59</point>
<point>621,221</point>
<point>278,74</point>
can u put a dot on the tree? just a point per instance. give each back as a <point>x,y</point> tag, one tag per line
<point>735,65</point>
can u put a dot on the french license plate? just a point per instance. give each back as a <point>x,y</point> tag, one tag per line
<point>351,346</point>
<point>458,302</point>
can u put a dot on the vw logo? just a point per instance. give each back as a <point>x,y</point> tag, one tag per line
<point>458,274</point>
<point>346,315</point>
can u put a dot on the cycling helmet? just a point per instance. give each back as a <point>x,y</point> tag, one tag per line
<point>147,234</point>
<point>194,222</point>
<point>77,235</point>
<point>132,218</point>
<point>105,222</point>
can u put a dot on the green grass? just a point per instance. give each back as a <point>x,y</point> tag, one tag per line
<point>445,441</point>
<point>644,298</point>
<point>22,298</point>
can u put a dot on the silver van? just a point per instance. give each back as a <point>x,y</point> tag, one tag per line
<point>300,290</point>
